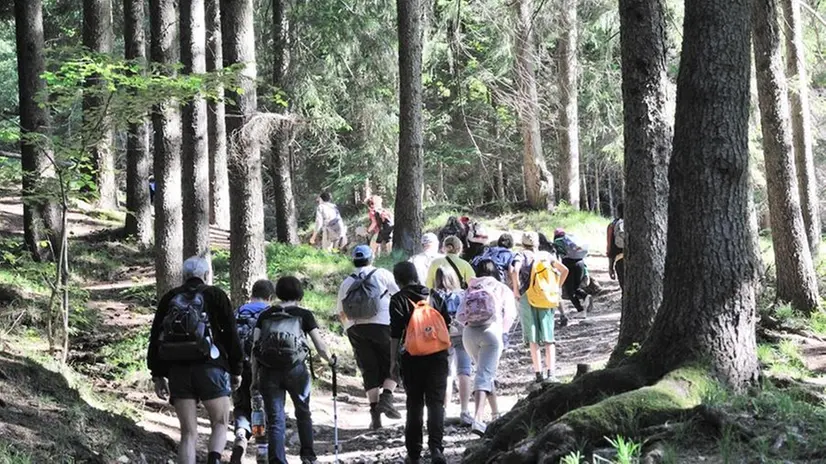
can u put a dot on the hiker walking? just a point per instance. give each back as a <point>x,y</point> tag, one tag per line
<point>487,311</point>
<point>195,356</point>
<point>263,292</point>
<point>364,310</point>
<point>447,297</point>
<point>430,252</point>
<point>420,332</point>
<point>616,247</point>
<point>538,276</point>
<point>329,224</point>
<point>579,286</point>
<point>381,226</point>
<point>452,247</point>
<point>455,226</point>
<point>280,368</point>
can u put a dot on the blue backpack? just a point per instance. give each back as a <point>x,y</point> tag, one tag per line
<point>450,301</point>
<point>246,319</point>
<point>501,257</point>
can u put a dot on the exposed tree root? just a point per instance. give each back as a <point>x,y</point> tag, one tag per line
<point>529,436</point>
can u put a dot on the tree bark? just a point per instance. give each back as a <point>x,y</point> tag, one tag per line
<point>408,213</point>
<point>98,37</point>
<point>139,208</point>
<point>247,259</point>
<point>708,312</point>
<point>801,122</point>
<point>216,124</point>
<point>286,221</point>
<point>41,217</point>
<point>796,281</point>
<point>195,143</point>
<point>568,101</point>
<point>166,123</point>
<point>647,137</point>
<point>539,183</point>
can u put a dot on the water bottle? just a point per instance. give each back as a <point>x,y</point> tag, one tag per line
<point>261,451</point>
<point>258,418</point>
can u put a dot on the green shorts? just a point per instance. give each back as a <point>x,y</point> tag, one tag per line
<point>537,324</point>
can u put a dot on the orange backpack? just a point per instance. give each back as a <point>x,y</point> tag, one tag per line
<point>426,332</point>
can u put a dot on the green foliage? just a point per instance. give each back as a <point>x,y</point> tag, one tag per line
<point>126,359</point>
<point>783,359</point>
<point>10,455</point>
<point>628,451</point>
<point>573,458</point>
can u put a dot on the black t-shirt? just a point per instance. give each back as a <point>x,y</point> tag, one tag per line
<point>308,322</point>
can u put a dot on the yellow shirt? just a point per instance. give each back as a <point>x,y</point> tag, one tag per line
<point>465,269</point>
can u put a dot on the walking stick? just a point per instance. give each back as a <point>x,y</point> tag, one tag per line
<point>334,366</point>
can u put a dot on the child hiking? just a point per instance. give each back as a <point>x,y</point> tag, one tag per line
<point>423,343</point>
<point>329,224</point>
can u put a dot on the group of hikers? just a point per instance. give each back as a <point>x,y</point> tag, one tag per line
<point>443,316</point>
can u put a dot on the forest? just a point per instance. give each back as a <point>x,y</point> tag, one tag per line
<point>135,134</point>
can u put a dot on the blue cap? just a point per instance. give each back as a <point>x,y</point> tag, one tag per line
<point>362,252</point>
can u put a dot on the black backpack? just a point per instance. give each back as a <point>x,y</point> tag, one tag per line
<point>185,334</point>
<point>282,343</point>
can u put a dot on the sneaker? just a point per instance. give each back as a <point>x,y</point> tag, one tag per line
<point>238,449</point>
<point>386,405</point>
<point>437,457</point>
<point>375,418</point>
<point>539,378</point>
<point>563,321</point>
<point>466,418</point>
<point>478,428</point>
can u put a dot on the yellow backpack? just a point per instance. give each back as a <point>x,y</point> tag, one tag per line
<point>543,291</point>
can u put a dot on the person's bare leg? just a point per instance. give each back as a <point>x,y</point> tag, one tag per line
<point>481,396</point>
<point>187,412</point>
<point>535,358</point>
<point>494,404</point>
<point>550,357</point>
<point>218,411</point>
<point>465,387</point>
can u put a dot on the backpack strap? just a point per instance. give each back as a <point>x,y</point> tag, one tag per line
<point>456,270</point>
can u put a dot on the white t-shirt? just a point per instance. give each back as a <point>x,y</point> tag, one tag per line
<point>422,262</point>
<point>385,279</point>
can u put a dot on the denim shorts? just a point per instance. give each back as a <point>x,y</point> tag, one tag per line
<point>459,361</point>
<point>200,382</point>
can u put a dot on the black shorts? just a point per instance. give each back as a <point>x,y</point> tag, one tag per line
<point>200,382</point>
<point>371,345</point>
<point>385,235</point>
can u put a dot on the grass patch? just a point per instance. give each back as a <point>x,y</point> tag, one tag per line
<point>10,455</point>
<point>782,360</point>
<point>126,359</point>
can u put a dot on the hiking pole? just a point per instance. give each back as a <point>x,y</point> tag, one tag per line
<point>333,366</point>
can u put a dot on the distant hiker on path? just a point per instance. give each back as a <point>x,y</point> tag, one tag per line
<point>538,278</point>
<point>579,286</point>
<point>195,355</point>
<point>616,247</point>
<point>430,252</point>
<point>457,227</point>
<point>329,224</point>
<point>488,310</point>
<point>280,367</point>
<point>381,226</point>
<point>364,310</point>
<point>423,364</point>
<point>452,247</point>
<point>263,292</point>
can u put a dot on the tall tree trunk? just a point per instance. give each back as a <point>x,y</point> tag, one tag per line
<point>708,312</point>
<point>597,190</point>
<point>41,217</point>
<point>568,101</point>
<point>195,143</point>
<point>286,221</point>
<point>166,122</point>
<point>98,37</point>
<point>539,183</point>
<point>216,124</point>
<point>139,214</point>
<point>796,281</point>
<point>647,149</point>
<point>247,259</point>
<point>409,215</point>
<point>801,122</point>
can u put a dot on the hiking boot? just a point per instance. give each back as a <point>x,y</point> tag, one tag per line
<point>375,417</point>
<point>466,419</point>
<point>239,448</point>
<point>539,378</point>
<point>437,457</point>
<point>386,405</point>
<point>563,321</point>
<point>478,428</point>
